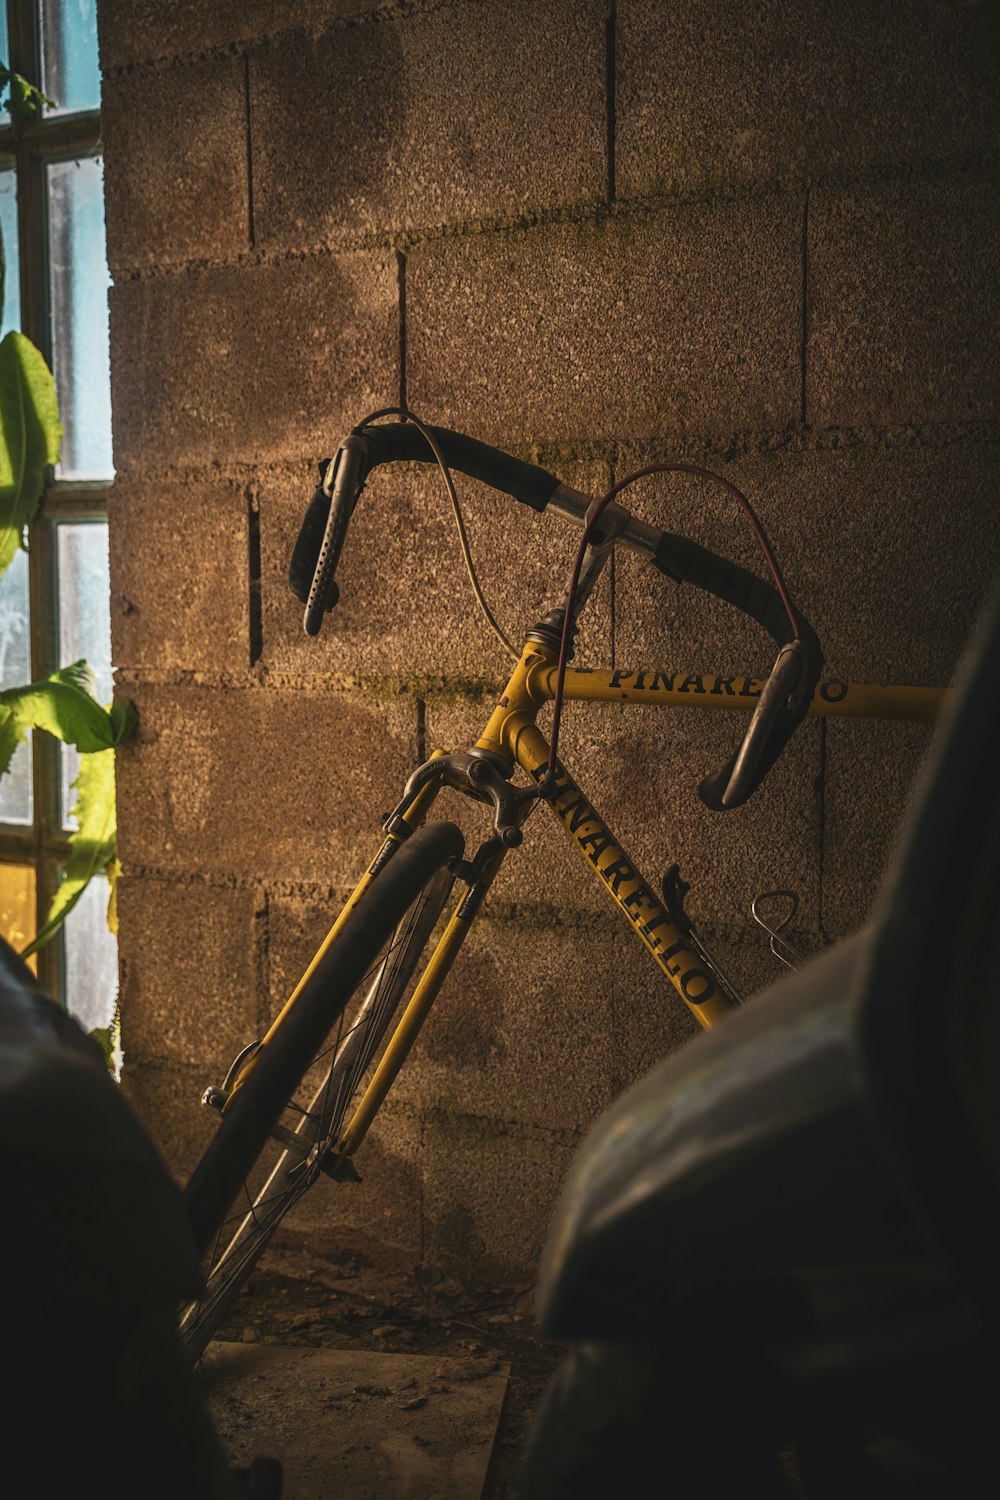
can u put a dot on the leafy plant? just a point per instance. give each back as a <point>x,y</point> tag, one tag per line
<point>25,99</point>
<point>63,704</point>
<point>30,433</point>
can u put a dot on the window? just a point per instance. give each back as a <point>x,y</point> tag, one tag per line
<point>55,599</point>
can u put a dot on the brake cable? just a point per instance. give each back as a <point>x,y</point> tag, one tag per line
<point>431,441</point>
<point>593,516</point>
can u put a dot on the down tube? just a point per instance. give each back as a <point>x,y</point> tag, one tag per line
<point>617,873</point>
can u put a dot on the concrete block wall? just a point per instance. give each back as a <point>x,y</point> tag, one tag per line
<point>598,234</point>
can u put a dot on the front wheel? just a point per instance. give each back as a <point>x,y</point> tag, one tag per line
<point>274,1137</point>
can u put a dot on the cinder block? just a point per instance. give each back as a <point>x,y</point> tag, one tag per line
<point>297,922</point>
<point>714,94</point>
<point>521,1030</point>
<point>251,363</point>
<point>895,556</point>
<point>188,201</point>
<point>488,1197</point>
<point>537,1022</point>
<point>889,552</point>
<point>459,113</point>
<point>648,1021</point>
<point>900,613</point>
<point>641,766</point>
<point>189,972</point>
<point>871,775</point>
<point>545,874</point>
<point>180,571</point>
<point>677,626</point>
<point>689,319</point>
<point>261,782</point>
<point>378,1219</point>
<point>654,761</point>
<point>133,31</point>
<point>167,1098</point>
<point>407,609</point>
<point>903,303</point>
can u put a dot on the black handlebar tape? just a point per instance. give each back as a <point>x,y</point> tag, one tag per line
<point>402,442</point>
<point>399,441</point>
<point>686,562</point>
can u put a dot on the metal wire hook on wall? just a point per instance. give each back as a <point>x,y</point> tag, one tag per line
<point>780,946</point>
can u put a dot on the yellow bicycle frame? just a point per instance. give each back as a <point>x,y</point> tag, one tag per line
<point>511,738</point>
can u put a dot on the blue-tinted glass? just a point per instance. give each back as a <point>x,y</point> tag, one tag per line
<point>5,59</point>
<point>91,958</point>
<point>71,75</point>
<point>79,284</point>
<point>84,621</point>
<point>15,671</point>
<point>11,260</point>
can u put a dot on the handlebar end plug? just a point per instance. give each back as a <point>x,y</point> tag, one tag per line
<point>316,609</point>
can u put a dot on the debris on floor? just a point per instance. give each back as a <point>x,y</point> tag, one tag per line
<point>307,1299</point>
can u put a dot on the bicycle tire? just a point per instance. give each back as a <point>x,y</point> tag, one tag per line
<point>253,1171</point>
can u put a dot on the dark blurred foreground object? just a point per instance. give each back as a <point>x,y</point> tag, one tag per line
<point>775,1258</point>
<point>96,1256</point>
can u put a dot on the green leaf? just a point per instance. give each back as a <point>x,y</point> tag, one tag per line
<point>124,720</point>
<point>79,674</point>
<point>30,435</point>
<point>62,705</point>
<point>108,1038</point>
<point>25,99</point>
<point>114,874</point>
<point>92,845</point>
<point>11,736</point>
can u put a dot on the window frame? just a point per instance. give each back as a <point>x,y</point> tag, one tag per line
<point>28,147</point>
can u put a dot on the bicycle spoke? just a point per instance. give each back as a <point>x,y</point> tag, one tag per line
<point>313,1116</point>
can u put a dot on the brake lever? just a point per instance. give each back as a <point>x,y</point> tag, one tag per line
<point>783,688</point>
<point>343,481</point>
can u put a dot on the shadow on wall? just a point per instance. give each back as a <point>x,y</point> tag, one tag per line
<point>360,70</point>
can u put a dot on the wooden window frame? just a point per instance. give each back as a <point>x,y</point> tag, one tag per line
<point>29,146</point>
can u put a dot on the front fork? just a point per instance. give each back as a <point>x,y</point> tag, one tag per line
<point>478,776</point>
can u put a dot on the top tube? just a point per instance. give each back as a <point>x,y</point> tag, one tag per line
<point>833,697</point>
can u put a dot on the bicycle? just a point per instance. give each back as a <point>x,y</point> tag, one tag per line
<point>295,1105</point>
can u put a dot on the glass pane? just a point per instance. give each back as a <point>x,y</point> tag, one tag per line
<point>17,907</point>
<point>79,287</point>
<point>11,315</point>
<point>84,620</point>
<point>91,958</point>
<point>15,671</point>
<point>71,75</point>
<point>5,59</point>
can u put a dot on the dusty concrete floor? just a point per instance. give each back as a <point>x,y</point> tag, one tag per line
<point>299,1297</point>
